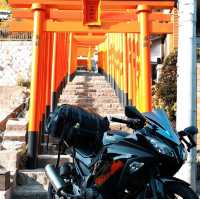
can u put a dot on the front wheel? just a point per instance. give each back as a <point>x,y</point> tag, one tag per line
<point>177,190</point>
<point>52,193</point>
<point>173,190</point>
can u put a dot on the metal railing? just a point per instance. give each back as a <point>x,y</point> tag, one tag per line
<point>6,35</point>
<point>16,36</point>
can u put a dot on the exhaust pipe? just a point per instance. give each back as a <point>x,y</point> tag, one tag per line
<point>57,182</point>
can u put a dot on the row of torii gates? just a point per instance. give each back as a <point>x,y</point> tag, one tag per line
<point>63,28</point>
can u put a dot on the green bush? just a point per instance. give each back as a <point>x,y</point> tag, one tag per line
<point>164,92</point>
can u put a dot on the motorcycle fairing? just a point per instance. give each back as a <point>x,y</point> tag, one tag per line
<point>124,149</point>
<point>111,137</point>
<point>159,118</point>
<point>81,156</point>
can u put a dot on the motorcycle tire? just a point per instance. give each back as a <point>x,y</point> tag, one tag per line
<point>180,190</point>
<point>51,192</point>
<point>174,190</point>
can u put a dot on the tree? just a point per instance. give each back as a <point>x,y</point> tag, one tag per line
<point>164,92</point>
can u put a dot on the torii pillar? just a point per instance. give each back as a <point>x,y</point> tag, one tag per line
<point>34,117</point>
<point>144,51</point>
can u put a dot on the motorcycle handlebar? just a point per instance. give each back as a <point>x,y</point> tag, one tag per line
<point>131,123</point>
<point>114,119</point>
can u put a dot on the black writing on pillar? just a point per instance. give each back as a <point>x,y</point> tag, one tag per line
<point>145,41</point>
<point>37,40</point>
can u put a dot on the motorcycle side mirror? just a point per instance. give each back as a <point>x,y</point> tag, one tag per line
<point>192,130</point>
<point>189,132</point>
<point>132,112</point>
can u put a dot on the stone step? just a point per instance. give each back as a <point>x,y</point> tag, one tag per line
<point>101,110</point>
<point>89,94</point>
<point>120,127</point>
<point>85,89</point>
<point>17,124</point>
<point>29,191</point>
<point>15,135</point>
<point>106,114</point>
<point>95,105</point>
<point>52,148</point>
<point>89,83</point>
<point>87,73</point>
<point>88,78</point>
<point>45,159</point>
<point>11,159</point>
<point>97,86</point>
<point>87,99</point>
<point>90,90</point>
<point>31,177</point>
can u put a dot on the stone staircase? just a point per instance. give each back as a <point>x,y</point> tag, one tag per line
<point>87,90</point>
<point>30,184</point>
<point>93,93</point>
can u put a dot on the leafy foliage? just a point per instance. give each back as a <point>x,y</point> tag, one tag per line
<point>165,91</point>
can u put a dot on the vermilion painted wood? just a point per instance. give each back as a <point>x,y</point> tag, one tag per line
<point>35,96</point>
<point>106,16</point>
<point>145,68</point>
<point>49,68</point>
<point>106,5</point>
<point>76,26</point>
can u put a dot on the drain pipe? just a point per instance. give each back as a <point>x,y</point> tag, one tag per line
<point>187,81</point>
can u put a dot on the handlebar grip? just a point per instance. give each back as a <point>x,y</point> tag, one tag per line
<point>114,119</point>
<point>193,143</point>
<point>131,123</point>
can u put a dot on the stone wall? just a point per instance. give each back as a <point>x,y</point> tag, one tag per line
<point>15,61</point>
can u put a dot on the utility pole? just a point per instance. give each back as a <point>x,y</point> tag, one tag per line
<point>187,81</point>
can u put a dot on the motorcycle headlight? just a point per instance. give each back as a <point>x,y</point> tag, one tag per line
<point>161,147</point>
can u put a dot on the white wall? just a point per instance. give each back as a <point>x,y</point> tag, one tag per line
<point>155,50</point>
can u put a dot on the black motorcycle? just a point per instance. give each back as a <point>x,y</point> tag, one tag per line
<point>115,164</point>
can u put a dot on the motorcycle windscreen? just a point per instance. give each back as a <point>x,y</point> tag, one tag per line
<point>160,119</point>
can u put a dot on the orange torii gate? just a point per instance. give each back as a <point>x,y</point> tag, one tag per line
<point>55,24</point>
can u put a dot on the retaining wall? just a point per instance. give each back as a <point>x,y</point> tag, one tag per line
<point>15,61</point>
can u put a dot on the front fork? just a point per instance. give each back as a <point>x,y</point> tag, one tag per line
<point>154,190</point>
<point>157,188</point>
